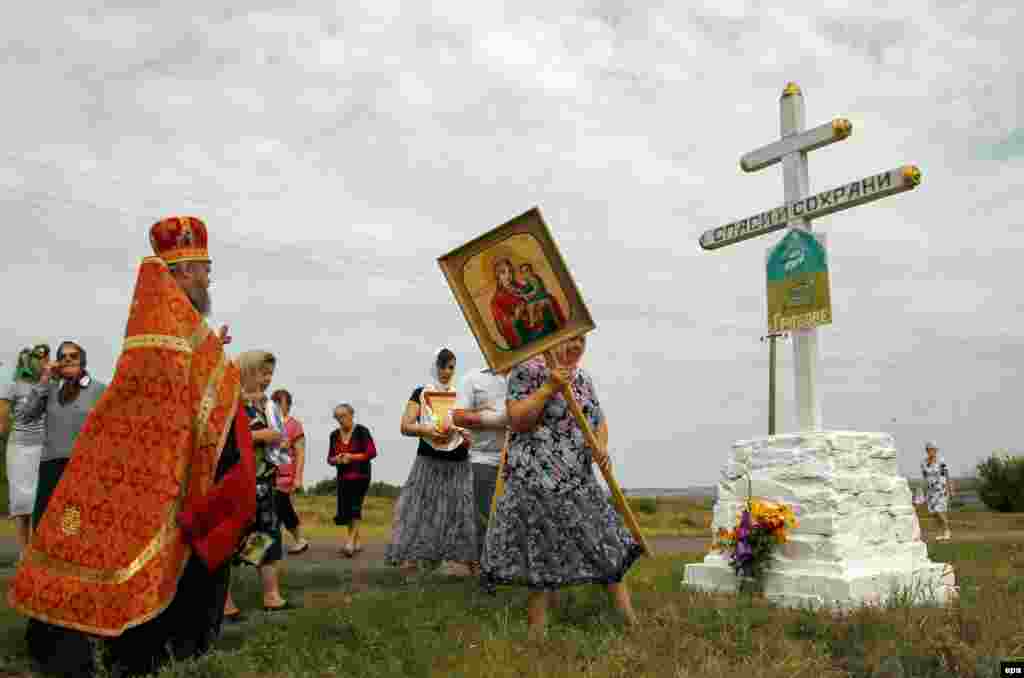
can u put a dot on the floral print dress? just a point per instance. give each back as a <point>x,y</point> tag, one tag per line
<point>554,526</point>
<point>936,481</point>
<point>264,543</point>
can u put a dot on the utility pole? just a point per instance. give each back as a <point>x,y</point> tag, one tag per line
<point>771,377</point>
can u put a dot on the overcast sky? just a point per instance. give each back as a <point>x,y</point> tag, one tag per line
<point>336,151</point>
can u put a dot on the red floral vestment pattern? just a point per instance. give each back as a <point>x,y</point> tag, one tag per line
<point>109,551</point>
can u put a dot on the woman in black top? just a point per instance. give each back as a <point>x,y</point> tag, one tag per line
<point>351,449</point>
<point>435,518</point>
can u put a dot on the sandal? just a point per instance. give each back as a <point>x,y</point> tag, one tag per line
<point>234,617</point>
<point>280,608</point>
<point>299,548</point>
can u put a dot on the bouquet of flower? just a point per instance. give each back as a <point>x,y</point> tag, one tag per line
<point>760,527</point>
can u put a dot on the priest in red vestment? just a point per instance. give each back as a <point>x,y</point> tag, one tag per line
<point>135,547</point>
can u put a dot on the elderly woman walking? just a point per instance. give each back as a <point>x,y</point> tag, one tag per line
<point>25,446</point>
<point>435,517</point>
<point>938,487</point>
<point>554,526</point>
<point>351,450</point>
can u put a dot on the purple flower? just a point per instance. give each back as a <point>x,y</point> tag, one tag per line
<point>744,529</point>
<point>743,551</point>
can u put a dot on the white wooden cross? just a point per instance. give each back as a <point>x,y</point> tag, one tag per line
<point>800,207</point>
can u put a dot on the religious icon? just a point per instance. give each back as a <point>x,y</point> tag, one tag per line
<point>440,404</point>
<point>516,291</point>
<point>519,302</point>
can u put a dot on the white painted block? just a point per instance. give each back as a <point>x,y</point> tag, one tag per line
<point>859,537</point>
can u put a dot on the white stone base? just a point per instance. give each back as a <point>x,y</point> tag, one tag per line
<point>859,541</point>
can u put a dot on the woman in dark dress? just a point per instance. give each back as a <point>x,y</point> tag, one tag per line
<point>554,526</point>
<point>351,449</point>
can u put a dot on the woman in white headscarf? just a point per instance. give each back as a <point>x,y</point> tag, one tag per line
<point>435,517</point>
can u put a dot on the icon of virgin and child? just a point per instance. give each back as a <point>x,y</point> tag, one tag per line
<point>522,308</point>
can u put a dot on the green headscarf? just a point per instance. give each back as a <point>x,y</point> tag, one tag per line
<point>30,363</point>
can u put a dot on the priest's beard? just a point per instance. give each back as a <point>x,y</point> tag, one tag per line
<point>200,298</point>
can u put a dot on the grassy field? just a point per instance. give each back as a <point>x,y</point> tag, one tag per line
<point>666,516</point>
<point>445,627</point>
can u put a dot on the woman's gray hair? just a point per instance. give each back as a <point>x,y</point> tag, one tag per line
<point>351,410</point>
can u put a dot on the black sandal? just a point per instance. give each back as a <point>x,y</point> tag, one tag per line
<point>235,617</point>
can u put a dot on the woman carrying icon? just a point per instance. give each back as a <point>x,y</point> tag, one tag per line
<point>435,517</point>
<point>554,526</point>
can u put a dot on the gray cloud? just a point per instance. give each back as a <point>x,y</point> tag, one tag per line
<point>869,36</point>
<point>336,155</point>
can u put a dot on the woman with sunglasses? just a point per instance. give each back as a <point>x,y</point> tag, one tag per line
<point>66,393</point>
<point>25,446</point>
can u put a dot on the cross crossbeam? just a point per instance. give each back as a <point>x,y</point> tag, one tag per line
<point>800,207</point>
<point>814,206</point>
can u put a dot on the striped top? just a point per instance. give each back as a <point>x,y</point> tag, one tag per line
<point>28,431</point>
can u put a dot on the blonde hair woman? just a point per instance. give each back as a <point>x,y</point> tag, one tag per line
<point>263,547</point>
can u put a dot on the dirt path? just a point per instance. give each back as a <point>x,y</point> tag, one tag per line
<point>323,551</point>
<point>372,555</point>
<point>328,549</point>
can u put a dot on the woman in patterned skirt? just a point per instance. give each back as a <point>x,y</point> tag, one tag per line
<point>554,526</point>
<point>435,517</point>
<point>937,486</point>
<point>264,545</point>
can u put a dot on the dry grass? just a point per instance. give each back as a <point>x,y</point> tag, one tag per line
<point>317,516</point>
